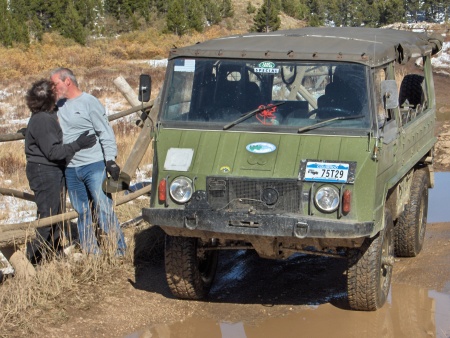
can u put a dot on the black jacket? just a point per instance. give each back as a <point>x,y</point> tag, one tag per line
<point>43,141</point>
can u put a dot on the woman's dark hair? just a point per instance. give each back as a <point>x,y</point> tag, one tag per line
<point>41,97</point>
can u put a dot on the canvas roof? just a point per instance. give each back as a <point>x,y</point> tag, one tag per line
<point>370,46</point>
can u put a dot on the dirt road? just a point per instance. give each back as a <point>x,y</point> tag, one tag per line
<point>254,297</point>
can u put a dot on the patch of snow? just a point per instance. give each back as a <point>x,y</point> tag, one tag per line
<point>5,267</point>
<point>158,63</point>
<point>442,60</point>
<point>17,210</point>
<point>18,122</point>
<point>112,106</point>
<point>141,173</point>
<point>4,94</point>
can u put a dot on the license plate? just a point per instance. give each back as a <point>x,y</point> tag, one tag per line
<point>326,172</point>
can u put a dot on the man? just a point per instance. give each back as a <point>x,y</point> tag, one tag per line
<point>79,112</point>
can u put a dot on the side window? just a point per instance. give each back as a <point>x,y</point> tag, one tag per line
<point>412,97</point>
<point>180,100</point>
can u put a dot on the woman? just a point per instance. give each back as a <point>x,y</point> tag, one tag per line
<point>46,158</point>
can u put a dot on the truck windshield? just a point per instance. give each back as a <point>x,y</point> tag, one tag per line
<point>214,92</point>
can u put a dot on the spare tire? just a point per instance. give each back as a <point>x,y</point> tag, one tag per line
<point>413,90</point>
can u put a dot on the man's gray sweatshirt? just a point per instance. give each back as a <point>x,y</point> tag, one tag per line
<point>82,113</point>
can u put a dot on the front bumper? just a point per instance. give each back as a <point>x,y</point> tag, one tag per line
<point>189,222</point>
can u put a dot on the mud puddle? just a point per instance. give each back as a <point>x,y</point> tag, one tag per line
<point>409,312</point>
<point>439,196</point>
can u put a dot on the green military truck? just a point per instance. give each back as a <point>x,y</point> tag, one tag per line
<point>298,141</point>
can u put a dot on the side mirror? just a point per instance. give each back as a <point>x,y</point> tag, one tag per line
<point>145,87</point>
<point>389,94</point>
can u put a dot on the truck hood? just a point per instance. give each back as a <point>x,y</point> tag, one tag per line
<point>206,153</point>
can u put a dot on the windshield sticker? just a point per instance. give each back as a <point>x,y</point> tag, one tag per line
<point>260,147</point>
<point>182,65</point>
<point>178,159</point>
<point>266,67</point>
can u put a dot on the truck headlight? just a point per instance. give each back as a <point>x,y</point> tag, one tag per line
<point>181,189</point>
<point>327,198</point>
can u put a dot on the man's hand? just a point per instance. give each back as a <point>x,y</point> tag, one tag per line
<point>113,169</point>
<point>86,141</point>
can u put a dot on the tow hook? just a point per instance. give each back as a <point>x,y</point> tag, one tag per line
<point>301,230</point>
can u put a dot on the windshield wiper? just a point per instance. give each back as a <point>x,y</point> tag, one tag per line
<point>320,124</point>
<point>250,114</point>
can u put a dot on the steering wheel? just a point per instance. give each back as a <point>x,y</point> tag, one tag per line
<point>330,112</point>
<point>225,114</point>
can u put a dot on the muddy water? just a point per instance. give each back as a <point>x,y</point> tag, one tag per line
<point>410,312</point>
<point>439,196</point>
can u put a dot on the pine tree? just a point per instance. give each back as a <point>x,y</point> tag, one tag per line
<point>317,12</point>
<point>5,23</point>
<point>370,13</point>
<point>392,11</point>
<point>90,12</point>
<point>20,20</point>
<point>162,6</point>
<point>345,12</point>
<point>13,28</point>
<point>295,8</point>
<point>432,7</point>
<point>226,9</point>
<point>176,19</point>
<point>211,11</point>
<point>250,8</point>
<point>266,19</point>
<point>72,27</point>
<point>413,6</point>
<point>194,13</point>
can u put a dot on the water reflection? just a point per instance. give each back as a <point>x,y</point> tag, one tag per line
<point>439,196</point>
<point>410,312</point>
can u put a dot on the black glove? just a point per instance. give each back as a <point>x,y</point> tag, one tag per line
<point>113,169</point>
<point>85,141</point>
<point>22,131</point>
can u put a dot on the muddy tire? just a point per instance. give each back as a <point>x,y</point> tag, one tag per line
<point>411,225</point>
<point>189,270</point>
<point>412,90</point>
<point>370,270</point>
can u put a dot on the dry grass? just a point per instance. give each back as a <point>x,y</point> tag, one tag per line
<point>31,303</point>
<point>12,165</point>
<point>105,54</point>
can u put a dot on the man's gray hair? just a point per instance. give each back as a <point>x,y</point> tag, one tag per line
<point>65,73</point>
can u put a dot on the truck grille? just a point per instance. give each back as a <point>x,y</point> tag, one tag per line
<point>259,194</point>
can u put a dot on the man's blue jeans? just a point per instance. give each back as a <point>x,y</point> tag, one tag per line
<point>84,184</point>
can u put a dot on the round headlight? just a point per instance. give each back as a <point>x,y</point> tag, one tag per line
<point>327,198</point>
<point>181,189</point>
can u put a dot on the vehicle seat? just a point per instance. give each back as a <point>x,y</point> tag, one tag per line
<point>227,96</point>
<point>340,94</point>
<point>252,98</point>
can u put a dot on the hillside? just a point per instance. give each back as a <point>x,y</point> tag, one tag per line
<point>243,21</point>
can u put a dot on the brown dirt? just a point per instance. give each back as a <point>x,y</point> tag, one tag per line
<point>139,301</point>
